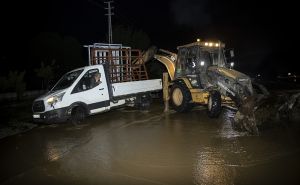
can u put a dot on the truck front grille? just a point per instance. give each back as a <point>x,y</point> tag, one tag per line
<point>38,106</point>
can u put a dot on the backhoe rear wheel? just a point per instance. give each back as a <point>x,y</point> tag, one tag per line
<point>180,98</point>
<point>214,106</point>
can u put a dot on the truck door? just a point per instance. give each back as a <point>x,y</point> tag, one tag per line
<point>92,90</point>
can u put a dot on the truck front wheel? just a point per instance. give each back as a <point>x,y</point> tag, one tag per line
<point>180,98</point>
<point>214,104</point>
<point>78,115</point>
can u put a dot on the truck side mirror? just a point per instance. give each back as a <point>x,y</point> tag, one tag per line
<point>231,53</point>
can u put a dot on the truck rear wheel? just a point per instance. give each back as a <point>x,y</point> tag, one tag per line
<point>78,115</point>
<point>214,104</point>
<point>144,102</point>
<point>180,98</point>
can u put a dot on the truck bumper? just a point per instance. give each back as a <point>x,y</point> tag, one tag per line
<point>53,116</point>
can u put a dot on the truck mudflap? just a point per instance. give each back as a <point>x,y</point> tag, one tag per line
<point>53,116</point>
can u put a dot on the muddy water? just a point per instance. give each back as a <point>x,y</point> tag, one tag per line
<point>132,147</point>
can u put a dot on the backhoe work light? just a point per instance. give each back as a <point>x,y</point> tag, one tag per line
<point>207,44</point>
<point>211,44</point>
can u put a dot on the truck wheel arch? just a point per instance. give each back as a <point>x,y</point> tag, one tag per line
<point>77,112</point>
<point>78,104</point>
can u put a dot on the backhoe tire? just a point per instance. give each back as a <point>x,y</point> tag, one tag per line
<point>180,98</point>
<point>214,106</point>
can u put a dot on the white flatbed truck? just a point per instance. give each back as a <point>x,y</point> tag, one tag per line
<point>124,82</point>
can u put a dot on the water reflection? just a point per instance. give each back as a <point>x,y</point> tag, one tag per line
<point>62,140</point>
<point>56,149</point>
<point>227,130</point>
<point>210,168</point>
<point>216,161</point>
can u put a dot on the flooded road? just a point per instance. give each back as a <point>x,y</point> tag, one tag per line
<point>132,147</point>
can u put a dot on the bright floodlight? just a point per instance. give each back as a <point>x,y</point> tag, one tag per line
<point>202,63</point>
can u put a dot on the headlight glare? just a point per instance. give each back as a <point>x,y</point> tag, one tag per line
<point>55,98</point>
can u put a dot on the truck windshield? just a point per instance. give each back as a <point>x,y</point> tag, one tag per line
<point>67,80</point>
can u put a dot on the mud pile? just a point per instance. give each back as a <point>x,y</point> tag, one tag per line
<point>263,111</point>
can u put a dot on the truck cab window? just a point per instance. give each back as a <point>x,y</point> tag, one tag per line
<point>88,81</point>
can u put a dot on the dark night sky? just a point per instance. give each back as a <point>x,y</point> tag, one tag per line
<point>260,32</point>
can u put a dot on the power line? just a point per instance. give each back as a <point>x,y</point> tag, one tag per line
<point>96,3</point>
<point>109,14</point>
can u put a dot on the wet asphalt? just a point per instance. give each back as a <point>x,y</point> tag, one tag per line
<point>128,146</point>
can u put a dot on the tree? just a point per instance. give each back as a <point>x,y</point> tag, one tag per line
<point>45,73</point>
<point>72,53</point>
<point>3,84</point>
<point>20,85</point>
<point>14,82</point>
<point>127,35</point>
<point>65,51</point>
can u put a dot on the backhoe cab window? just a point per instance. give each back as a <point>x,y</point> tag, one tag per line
<point>216,60</point>
<point>88,81</point>
<point>192,61</point>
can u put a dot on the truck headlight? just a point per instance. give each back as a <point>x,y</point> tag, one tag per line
<point>50,100</point>
<point>55,98</point>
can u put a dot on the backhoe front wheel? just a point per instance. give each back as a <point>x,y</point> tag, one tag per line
<point>180,98</point>
<point>214,107</point>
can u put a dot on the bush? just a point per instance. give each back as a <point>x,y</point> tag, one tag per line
<point>14,82</point>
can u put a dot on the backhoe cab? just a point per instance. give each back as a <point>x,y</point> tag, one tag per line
<point>201,73</point>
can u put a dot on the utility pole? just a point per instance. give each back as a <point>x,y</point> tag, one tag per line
<point>109,14</point>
